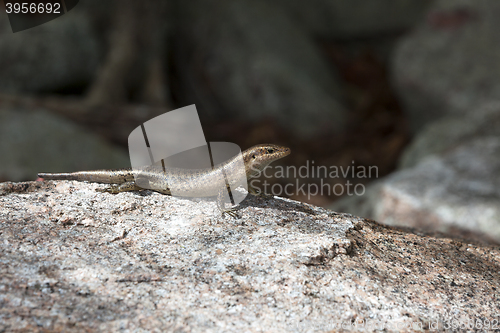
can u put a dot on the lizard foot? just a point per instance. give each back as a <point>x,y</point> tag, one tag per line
<point>231,212</point>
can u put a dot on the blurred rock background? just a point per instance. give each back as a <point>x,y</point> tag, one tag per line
<point>408,86</point>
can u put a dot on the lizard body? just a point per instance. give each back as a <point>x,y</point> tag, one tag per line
<point>185,182</point>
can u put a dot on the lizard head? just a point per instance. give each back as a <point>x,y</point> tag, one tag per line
<point>259,157</point>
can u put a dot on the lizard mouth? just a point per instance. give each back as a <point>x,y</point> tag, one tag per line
<point>282,152</point>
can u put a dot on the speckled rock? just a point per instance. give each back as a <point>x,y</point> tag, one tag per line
<point>73,259</point>
<point>449,64</point>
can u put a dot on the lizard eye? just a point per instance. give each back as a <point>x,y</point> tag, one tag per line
<point>270,150</point>
<point>253,156</point>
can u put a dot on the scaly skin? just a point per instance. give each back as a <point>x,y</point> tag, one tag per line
<point>185,182</point>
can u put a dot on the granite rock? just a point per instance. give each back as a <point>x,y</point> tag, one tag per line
<point>73,259</point>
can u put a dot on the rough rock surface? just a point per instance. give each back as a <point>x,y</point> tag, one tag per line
<point>449,64</point>
<point>73,259</point>
<point>60,54</point>
<point>33,141</point>
<point>248,59</point>
<point>456,192</point>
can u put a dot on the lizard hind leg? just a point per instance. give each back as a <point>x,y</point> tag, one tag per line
<point>221,206</point>
<point>125,187</point>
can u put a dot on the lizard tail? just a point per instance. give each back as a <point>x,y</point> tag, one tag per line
<point>57,176</point>
<point>98,176</point>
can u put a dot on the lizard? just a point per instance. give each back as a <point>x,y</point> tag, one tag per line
<point>190,182</point>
